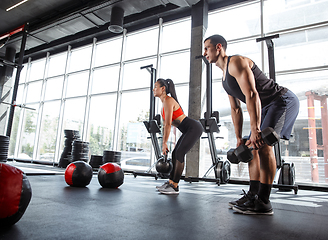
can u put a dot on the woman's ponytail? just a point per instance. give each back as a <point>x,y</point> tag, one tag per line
<point>169,87</point>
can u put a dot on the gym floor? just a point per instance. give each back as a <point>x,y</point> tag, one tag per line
<point>136,211</point>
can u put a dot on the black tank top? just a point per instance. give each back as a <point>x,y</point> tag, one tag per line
<point>268,89</point>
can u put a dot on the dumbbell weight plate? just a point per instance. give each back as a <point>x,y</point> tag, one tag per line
<point>231,156</point>
<point>243,153</point>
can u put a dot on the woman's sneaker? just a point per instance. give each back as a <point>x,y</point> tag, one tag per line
<point>170,190</point>
<point>256,207</point>
<point>163,186</point>
<point>242,200</point>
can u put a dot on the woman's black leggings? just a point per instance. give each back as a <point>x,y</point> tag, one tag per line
<point>191,132</point>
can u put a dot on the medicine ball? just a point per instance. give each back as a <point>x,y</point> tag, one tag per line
<point>110,175</point>
<point>164,165</point>
<point>15,194</point>
<point>78,174</point>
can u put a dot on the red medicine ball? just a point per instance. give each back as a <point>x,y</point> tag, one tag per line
<point>78,174</point>
<point>110,175</point>
<point>15,194</point>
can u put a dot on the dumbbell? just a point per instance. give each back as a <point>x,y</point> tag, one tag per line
<point>244,154</point>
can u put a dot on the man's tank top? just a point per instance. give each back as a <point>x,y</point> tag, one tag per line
<point>268,89</point>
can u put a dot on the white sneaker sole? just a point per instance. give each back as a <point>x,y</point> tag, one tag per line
<point>248,212</point>
<point>169,193</point>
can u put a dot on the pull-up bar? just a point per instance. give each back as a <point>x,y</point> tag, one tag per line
<point>12,32</point>
<point>269,42</point>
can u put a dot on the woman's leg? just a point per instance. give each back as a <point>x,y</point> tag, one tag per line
<point>185,143</point>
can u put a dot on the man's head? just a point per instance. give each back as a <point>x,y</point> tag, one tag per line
<point>216,39</point>
<point>213,45</point>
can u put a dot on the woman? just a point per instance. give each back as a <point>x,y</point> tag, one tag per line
<point>191,129</point>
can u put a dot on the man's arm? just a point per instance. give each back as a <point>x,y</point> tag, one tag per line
<point>237,117</point>
<point>240,68</point>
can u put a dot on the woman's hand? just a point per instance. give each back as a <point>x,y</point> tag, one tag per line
<point>165,149</point>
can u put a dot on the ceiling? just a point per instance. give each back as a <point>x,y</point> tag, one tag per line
<point>54,24</point>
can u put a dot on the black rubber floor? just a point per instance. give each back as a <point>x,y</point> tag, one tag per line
<point>137,211</point>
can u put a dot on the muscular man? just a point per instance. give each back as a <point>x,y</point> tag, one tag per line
<point>268,105</point>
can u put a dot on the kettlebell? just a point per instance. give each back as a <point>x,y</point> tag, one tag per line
<point>164,165</point>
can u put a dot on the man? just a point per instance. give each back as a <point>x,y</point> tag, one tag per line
<point>268,105</point>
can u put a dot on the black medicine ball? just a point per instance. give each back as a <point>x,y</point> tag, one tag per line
<point>110,175</point>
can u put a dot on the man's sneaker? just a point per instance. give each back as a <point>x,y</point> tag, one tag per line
<point>257,207</point>
<point>170,190</point>
<point>242,200</point>
<point>162,186</point>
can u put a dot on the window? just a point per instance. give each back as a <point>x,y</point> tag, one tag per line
<point>27,137</point>
<point>108,52</point>
<point>176,67</point>
<point>228,22</point>
<point>48,132</point>
<point>176,36</point>
<point>37,70</point>
<point>132,132</point>
<point>281,14</point>
<point>101,123</point>
<point>74,114</point>
<point>105,79</point>
<point>34,90</point>
<point>77,84</point>
<point>15,132</point>
<point>289,49</point>
<point>134,77</point>
<point>54,88</point>
<point>80,59</point>
<point>141,44</point>
<point>57,64</point>
<point>20,92</point>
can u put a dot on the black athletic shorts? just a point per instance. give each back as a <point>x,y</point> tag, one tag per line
<point>281,114</point>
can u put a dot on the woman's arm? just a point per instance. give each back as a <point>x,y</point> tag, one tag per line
<point>168,111</point>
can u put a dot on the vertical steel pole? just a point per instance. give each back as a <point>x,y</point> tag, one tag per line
<point>19,69</point>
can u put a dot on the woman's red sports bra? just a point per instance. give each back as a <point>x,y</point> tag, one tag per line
<point>177,113</point>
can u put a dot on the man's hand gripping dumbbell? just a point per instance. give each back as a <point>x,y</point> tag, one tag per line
<point>244,154</point>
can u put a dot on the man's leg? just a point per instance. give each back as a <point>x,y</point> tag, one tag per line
<point>254,173</point>
<point>267,172</point>
<point>261,204</point>
<point>254,183</point>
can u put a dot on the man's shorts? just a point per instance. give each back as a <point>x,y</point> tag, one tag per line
<point>281,114</point>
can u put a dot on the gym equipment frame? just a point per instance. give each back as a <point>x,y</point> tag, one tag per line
<point>152,126</point>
